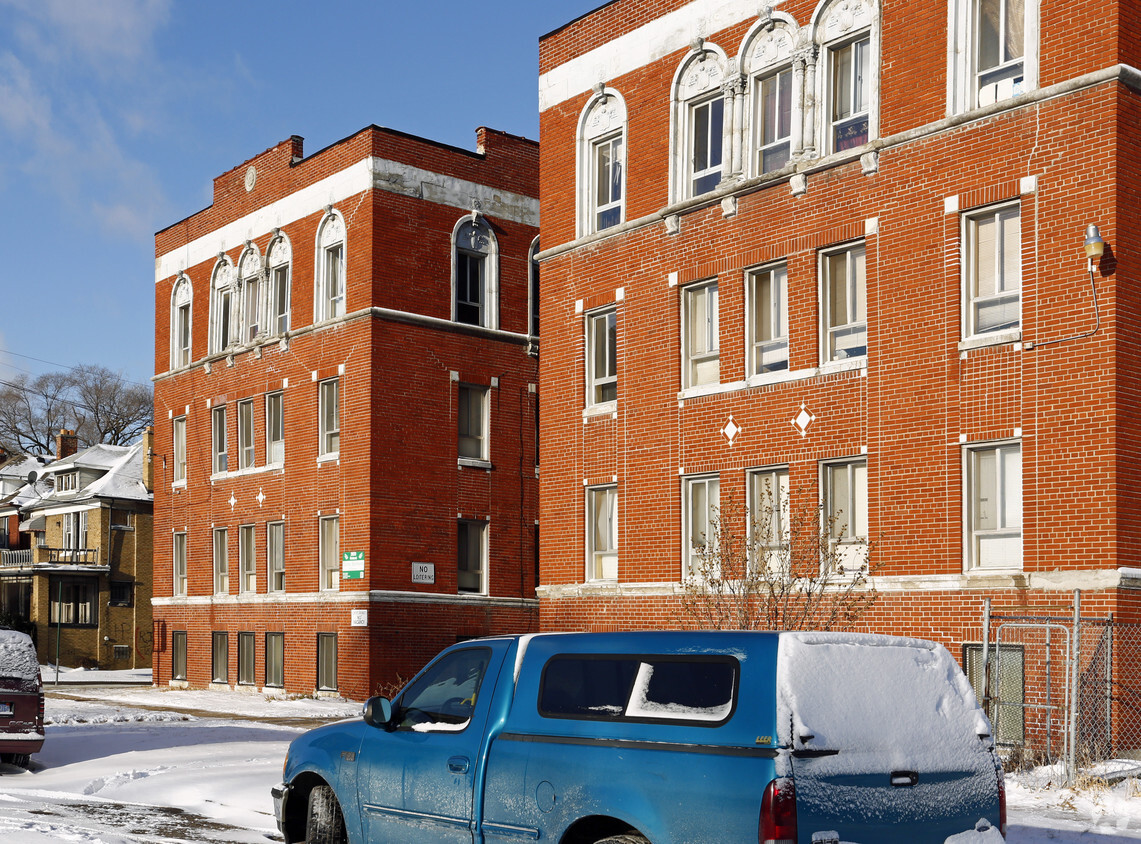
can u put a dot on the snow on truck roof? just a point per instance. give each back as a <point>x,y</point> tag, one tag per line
<point>18,656</point>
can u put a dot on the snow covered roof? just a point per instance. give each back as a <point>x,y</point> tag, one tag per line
<point>121,475</point>
<point>19,465</point>
<point>96,457</point>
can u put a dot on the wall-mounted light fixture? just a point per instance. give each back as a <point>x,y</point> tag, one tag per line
<point>1094,245</point>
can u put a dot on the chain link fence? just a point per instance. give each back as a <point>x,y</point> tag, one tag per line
<point>1063,694</point>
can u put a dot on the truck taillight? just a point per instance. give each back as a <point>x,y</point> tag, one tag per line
<point>1001,802</point>
<point>778,813</point>
<point>40,722</point>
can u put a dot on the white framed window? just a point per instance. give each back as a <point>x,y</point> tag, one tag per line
<point>847,75</point>
<point>844,298</point>
<point>602,162</point>
<point>178,446</point>
<point>992,269</point>
<point>602,532</point>
<point>993,503</point>
<point>327,662</point>
<point>701,335</point>
<point>845,487</point>
<point>250,272</point>
<point>601,357</point>
<point>279,258</point>
<point>181,303</point>
<point>993,51</point>
<point>275,556</point>
<point>330,268</point>
<point>247,558</point>
<point>223,306</point>
<point>769,515</point>
<point>474,409</point>
<point>767,297</point>
<point>275,428</point>
<point>178,655</point>
<point>329,408</point>
<point>475,273</point>
<point>221,562</point>
<point>698,123</point>
<point>701,501</point>
<point>330,552</point>
<point>275,660</point>
<point>220,658</point>
<point>221,459</point>
<point>246,645</point>
<point>471,556</point>
<point>706,137</point>
<point>179,557</point>
<point>851,94</point>
<point>772,94</point>
<point>246,451</point>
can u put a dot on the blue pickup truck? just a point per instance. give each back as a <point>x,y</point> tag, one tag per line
<point>662,737</point>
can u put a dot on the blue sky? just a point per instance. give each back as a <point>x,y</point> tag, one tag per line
<point>116,115</point>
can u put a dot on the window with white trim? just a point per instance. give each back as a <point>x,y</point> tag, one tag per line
<point>602,532</point>
<point>223,306</point>
<point>246,454</point>
<point>279,258</point>
<point>773,103</point>
<point>701,500</point>
<point>275,428</point>
<point>178,655</point>
<point>601,357</point>
<point>769,516</point>
<point>701,340</point>
<point>179,556</point>
<point>182,300</point>
<point>327,662</point>
<point>844,299</point>
<point>330,269</point>
<point>768,320</point>
<point>250,273</point>
<point>247,558</point>
<point>475,273</point>
<point>602,162</point>
<point>220,658</point>
<point>698,123</point>
<point>275,556</point>
<point>221,458</point>
<point>246,645</point>
<point>994,506</point>
<point>992,269</point>
<point>330,552</point>
<point>850,93</point>
<point>178,446</point>
<point>221,562</point>
<point>275,660</point>
<point>473,422</point>
<point>329,408</point>
<point>471,556</point>
<point>845,488</point>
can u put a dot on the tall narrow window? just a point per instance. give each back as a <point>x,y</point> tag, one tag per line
<point>602,162</point>
<point>845,304</point>
<point>851,94</point>
<point>475,274</point>
<point>701,499</point>
<point>994,501</point>
<point>609,180</point>
<point>246,657</point>
<point>330,552</point>
<point>179,564</point>
<point>473,413</point>
<point>327,661</point>
<point>533,288</point>
<point>768,320</point>
<point>246,434</point>
<point>247,558</point>
<point>181,302</point>
<point>250,271</point>
<point>602,353</point>
<point>223,325</point>
<point>279,257</point>
<point>769,517</point>
<point>179,448</point>
<point>471,555</point>
<point>218,437</point>
<point>178,655</point>
<point>602,527</point>
<point>221,562</point>
<point>1000,35</point>
<point>707,127</point>
<point>330,302</point>
<point>220,658</point>
<point>846,514</point>
<point>274,429</point>
<point>275,659</point>
<point>698,121</point>
<point>702,343</point>
<point>774,120</point>
<point>993,269</point>
<point>275,556</point>
<point>330,410</point>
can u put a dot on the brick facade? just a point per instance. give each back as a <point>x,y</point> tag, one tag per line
<point>399,358</point>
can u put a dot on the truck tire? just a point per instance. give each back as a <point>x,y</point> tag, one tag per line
<point>324,823</point>
<point>630,838</point>
<point>20,760</point>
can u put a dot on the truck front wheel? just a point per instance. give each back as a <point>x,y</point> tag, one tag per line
<point>632,838</point>
<point>324,824</point>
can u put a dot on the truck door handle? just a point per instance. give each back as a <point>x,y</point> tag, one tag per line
<point>902,779</point>
<point>458,764</point>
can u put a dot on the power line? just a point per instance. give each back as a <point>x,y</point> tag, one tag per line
<point>54,363</point>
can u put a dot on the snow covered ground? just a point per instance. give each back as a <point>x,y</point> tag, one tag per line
<point>138,764</point>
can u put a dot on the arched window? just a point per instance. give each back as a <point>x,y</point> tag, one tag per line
<point>181,313</point>
<point>329,302</point>
<point>223,306</point>
<point>699,120</point>
<point>475,273</point>
<point>847,72</point>
<point>250,275</point>
<point>776,123</point>
<point>602,162</point>
<point>279,258</point>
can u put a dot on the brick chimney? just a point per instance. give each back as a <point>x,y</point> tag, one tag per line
<point>149,458</point>
<point>66,444</point>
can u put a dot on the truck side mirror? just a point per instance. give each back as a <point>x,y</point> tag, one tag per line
<point>377,712</point>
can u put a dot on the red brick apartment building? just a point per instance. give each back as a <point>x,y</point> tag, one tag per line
<point>835,249</point>
<point>345,405</point>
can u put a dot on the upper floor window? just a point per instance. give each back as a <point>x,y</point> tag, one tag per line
<point>848,73</point>
<point>602,532</point>
<point>701,500</point>
<point>330,269</point>
<point>330,417</point>
<point>533,289</point>
<point>773,98</point>
<point>845,485</point>
<point>247,558</point>
<point>178,436</point>
<point>223,306</point>
<point>179,555</point>
<point>221,460</point>
<point>768,320</point>
<point>769,517</point>
<point>602,162</point>
<point>330,552</point>
<point>471,556</point>
<point>274,428</point>
<point>475,262</point>
<point>279,257</point>
<point>776,94</point>
<point>601,357</point>
<point>221,562</point>
<point>246,453</point>
<point>992,269</point>
<point>250,273</point>
<point>701,342</point>
<point>850,93</point>
<point>473,422</point>
<point>181,301</point>
<point>275,556</point>
<point>994,506</point>
<point>699,123</point>
<point>1000,33</point>
<point>844,302</point>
